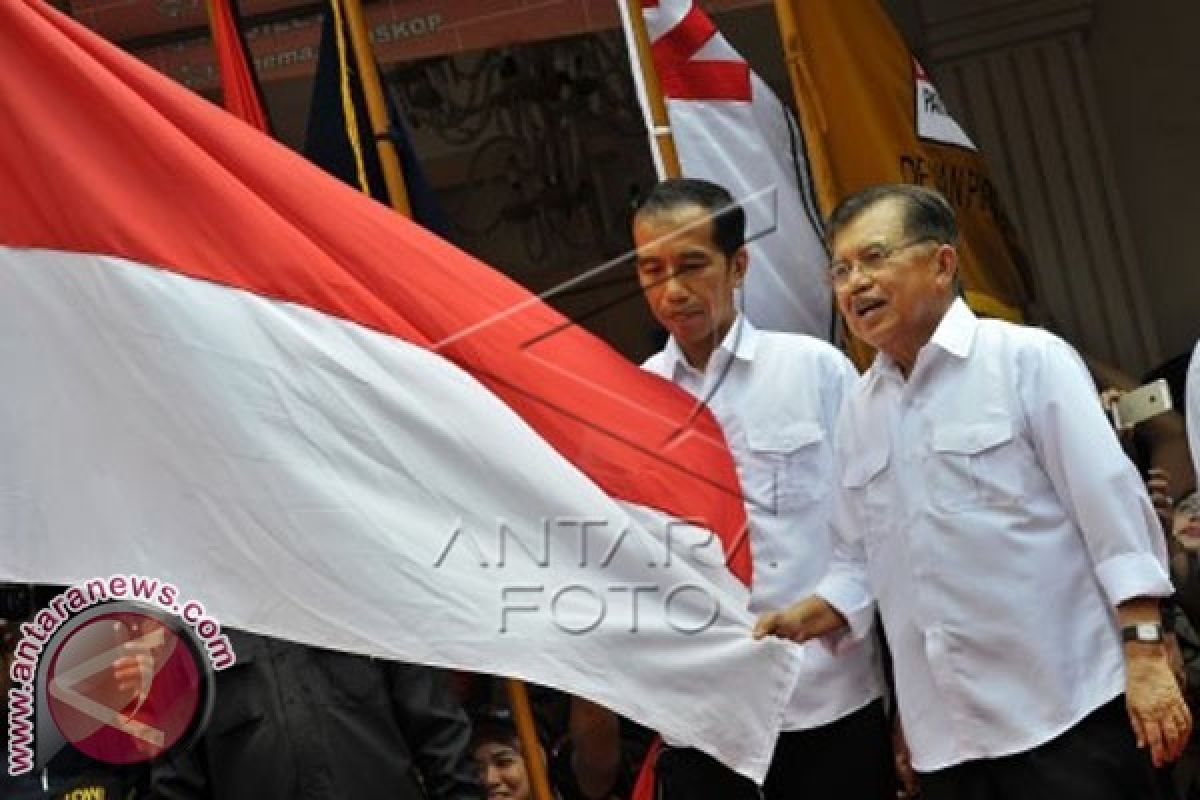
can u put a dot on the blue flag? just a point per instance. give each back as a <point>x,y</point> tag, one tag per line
<point>328,142</point>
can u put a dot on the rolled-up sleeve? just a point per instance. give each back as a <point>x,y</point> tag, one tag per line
<point>1096,482</point>
<point>845,584</point>
<point>846,591</point>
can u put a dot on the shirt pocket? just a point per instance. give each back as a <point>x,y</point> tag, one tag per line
<point>787,466</point>
<point>864,493</point>
<point>976,465</point>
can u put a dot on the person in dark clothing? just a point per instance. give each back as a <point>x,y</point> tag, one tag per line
<point>292,721</point>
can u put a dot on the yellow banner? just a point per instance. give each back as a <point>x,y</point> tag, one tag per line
<point>870,115</point>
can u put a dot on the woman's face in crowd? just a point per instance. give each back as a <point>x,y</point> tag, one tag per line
<point>1187,522</point>
<point>502,771</point>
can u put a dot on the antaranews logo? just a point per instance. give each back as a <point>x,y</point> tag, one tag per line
<point>121,668</point>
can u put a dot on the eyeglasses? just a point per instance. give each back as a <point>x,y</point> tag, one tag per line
<point>870,260</point>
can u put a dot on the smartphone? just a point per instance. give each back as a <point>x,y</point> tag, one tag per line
<point>1140,404</point>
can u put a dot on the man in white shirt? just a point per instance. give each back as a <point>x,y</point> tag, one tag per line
<point>986,505</point>
<point>1192,404</point>
<point>776,397</point>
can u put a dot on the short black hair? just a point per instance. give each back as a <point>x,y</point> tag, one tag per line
<point>497,724</point>
<point>927,212</point>
<point>728,217</point>
<point>492,725</point>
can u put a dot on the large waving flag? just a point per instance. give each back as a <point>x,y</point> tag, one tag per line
<point>730,128</point>
<point>871,115</point>
<point>226,369</point>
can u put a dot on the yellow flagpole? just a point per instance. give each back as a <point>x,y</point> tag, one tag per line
<point>658,106</point>
<point>349,113</point>
<point>518,701</point>
<point>389,159</point>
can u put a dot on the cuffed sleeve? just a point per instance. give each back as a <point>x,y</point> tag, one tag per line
<point>845,588</point>
<point>1096,482</point>
<point>848,594</point>
<point>1131,575</point>
<point>845,585</point>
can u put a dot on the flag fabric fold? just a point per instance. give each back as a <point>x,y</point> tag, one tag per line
<point>242,93</point>
<point>226,369</point>
<point>730,128</point>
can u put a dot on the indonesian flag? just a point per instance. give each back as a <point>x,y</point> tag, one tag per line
<point>731,129</point>
<point>226,369</point>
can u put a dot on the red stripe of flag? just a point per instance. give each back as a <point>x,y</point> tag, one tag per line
<point>127,163</point>
<point>684,78</point>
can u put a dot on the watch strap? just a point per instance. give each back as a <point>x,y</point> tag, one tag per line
<point>1150,632</point>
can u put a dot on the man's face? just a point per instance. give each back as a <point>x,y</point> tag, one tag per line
<point>687,280</point>
<point>502,771</point>
<point>896,306</point>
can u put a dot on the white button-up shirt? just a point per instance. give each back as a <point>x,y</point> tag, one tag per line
<point>776,396</point>
<point>1192,405</point>
<point>988,507</point>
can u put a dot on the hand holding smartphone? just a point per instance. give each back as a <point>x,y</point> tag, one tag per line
<point>1140,404</point>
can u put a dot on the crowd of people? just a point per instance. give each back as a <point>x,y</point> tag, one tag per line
<point>993,593</point>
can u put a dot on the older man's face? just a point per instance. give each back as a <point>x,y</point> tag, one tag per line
<point>894,303</point>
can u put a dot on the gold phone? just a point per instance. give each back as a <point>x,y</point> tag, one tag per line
<point>1140,404</point>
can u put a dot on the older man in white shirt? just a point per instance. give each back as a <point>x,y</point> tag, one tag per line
<point>777,397</point>
<point>986,505</point>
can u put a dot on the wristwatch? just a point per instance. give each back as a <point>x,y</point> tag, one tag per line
<point>1149,632</point>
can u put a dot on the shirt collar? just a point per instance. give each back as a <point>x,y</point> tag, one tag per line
<point>956,331</point>
<point>740,342</point>
<point>955,334</point>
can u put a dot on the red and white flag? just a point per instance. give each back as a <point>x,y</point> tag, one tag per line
<point>223,368</point>
<point>730,128</point>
